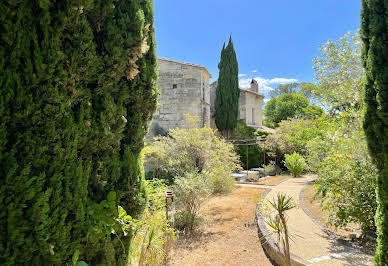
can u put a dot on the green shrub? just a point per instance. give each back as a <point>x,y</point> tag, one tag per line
<point>191,192</point>
<point>347,188</point>
<point>222,184</point>
<point>295,163</point>
<point>183,220</point>
<point>152,232</point>
<point>196,151</point>
<point>269,168</point>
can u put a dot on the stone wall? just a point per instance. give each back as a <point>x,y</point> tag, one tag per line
<point>250,107</point>
<point>250,101</point>
<point>184,90</point>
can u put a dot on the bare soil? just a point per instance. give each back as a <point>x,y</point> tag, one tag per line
<point>228,235</point>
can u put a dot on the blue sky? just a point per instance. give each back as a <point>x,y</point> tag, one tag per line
<point>275,41</point>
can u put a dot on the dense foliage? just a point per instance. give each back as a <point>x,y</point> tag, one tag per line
<point>152,232</point>
<point>295,163</point>
<point>289,105</point>
<point>255,152</point>
<point>375,61</point>
<point>304,88</point>
<point>77,91</point>
<point>346,177</point>
<point>197,151</point>
<point>227,91</point>
<point>293,135</point>
<point>339,74</point>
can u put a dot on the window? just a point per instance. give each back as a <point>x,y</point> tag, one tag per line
<point>174,86</point>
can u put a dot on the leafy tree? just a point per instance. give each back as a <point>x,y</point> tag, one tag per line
<point>304,88</point>
<point>293,135</point>
<point>289,105</point>
<point>227,91</point>
<point>339,74</point>
<point>374,59</point>
<point>77,92</point>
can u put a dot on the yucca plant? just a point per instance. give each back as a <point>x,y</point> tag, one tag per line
<point>278,223</point>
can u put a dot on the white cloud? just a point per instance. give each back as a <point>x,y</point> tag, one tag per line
<point>265,85</point>
<point>266,100</point>
<point>282,81</point>
<point>242,75</point>
<point>254,71</point>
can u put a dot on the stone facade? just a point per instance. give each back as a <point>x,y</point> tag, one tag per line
<point>184,90</point>
<point>249,107</point>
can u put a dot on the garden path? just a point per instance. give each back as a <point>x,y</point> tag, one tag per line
<point>310,242</point>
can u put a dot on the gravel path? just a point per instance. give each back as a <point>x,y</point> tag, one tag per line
<point>310,242</point>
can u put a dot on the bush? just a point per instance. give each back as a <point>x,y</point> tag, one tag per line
<point>183,220</point>
<point>347,188</point>
<point>295,163</point>
<point>269,168</point>
<point>222,184</point>
<point>152,232</point>
<point>191,192</point>
<point>293,135</point>
<point>197,151</point>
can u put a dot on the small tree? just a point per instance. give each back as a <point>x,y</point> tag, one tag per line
<point>374,58</point>
<point>289,105</point>
<point>227,91</point>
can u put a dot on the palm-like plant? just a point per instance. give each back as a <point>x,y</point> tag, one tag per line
<point>282,203</point>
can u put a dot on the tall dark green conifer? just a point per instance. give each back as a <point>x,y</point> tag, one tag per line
<point>227,91</point>
<point>374,33</point>
<point>77,90</point>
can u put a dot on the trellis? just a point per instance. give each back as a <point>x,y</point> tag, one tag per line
<point>260,142</point>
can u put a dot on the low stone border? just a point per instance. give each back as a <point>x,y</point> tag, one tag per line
<point>309,214</point>
<point>257,184</point>
<point>271,249</point>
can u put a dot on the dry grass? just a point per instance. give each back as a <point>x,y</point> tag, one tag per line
<point>227,237</point>
<point>323,215</point>
<point>273,180</point>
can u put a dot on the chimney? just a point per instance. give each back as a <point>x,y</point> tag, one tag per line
<point>254,86</point>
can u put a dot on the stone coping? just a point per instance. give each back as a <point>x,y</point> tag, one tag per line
<point>261,179</point>
<point>271,249</point>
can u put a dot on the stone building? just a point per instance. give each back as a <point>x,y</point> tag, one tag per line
<point>184,90</point>
<point>249,107</point>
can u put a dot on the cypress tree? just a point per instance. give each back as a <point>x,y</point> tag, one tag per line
<point>374,33</point>
<point>227,91</point>
<point>77,90</point>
